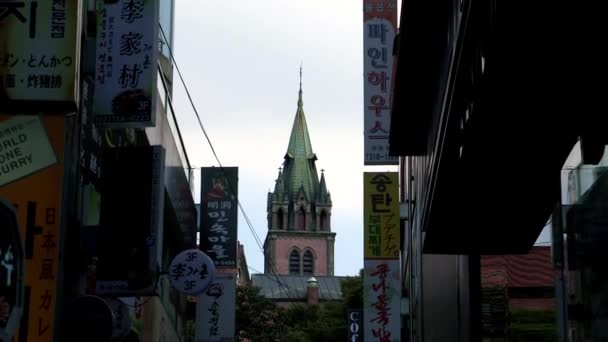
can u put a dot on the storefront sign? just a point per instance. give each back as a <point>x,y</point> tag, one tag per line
<point>382,300</point>
<point>37,198</point>
<point>381,215</point>
<point>379,30</point>
<point>24,148</point>
<point>355,325</point>
<point>215,310</point>
<point>127,62</point>
<point>39,41</point>
<point>191,272</point>
<point>219,212</point>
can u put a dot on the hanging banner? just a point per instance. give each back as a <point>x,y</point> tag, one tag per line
<point>39,51</point>
<point>381,235</point>
<point>379,30</point>
<point>126,64</point>
<point>382,300</point>
<point>219,213</point>
<point>37,198</point>
<point>215,310</point>
<point>24,148</point>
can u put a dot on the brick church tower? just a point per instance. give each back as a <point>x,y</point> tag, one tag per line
<point>299,239</point>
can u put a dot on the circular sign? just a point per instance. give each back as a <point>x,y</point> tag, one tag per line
<point>191,272</point>
<point>90,319</point>
<point>11,272</point>
<point>122,318</point>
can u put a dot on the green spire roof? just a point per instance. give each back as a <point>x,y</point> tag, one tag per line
<point>324,196</point>
<point>299,170</point>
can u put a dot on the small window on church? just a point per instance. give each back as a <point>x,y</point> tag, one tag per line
<point>301,219</point>
<point>324,222</point>
<point>294,262</point>
<point>309,263</point>
<point>280,219</point>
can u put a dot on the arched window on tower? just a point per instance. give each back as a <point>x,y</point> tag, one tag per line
<point>308,263</point>
<point>301,219</point>
<point>324,221</point>
<point>280,219</point>
<point>294,262</point>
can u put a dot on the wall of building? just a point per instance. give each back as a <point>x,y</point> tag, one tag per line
<point>445,298</point>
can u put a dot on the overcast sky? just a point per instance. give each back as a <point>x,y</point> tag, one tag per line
<point>240,60</point>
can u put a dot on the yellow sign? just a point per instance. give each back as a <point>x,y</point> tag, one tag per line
<point>39,41</point>
<point>381,215</point>
<point>37,198</point>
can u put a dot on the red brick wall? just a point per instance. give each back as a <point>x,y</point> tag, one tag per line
<point>318,245</point>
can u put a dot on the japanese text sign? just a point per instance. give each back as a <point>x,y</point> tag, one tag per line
<point>379,30</point>
<point>37,199</point>
<point>215,310</point>
<point>382,300</point>
<point>24,148</point>
<point>381,215</point>
<point>219,214</point>
<point>39,44</point>
<point>126,62</point>
<point>191,272</point>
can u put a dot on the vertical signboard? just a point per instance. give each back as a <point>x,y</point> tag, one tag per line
<point>129,243</point>
<point>379,30</point>
<point>37,198</point>
<point>355,325</point>
<point>126,64</point>
<point>215,310</point>
<point>382,300</point>
<point>381,215</point>
<point>219,213</point>
<point>39,44</point>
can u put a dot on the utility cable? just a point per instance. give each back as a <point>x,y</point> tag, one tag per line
<point>200,122</point>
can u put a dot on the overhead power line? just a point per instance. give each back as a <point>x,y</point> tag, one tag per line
<point>282,285</point>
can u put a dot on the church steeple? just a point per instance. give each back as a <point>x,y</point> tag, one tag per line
<point>300,240</point>
<point>299,165</point>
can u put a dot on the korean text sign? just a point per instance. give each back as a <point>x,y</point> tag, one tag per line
<point>126,62</point>
<point>219,214</point>
<point>37,198</point>
<point>381,215</point>
<point>379,30</point>
<point>382,300</point>
<point>39,41</point>
<point>215,310</point>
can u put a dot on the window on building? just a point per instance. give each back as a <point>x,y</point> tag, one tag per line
<point>308,263</point>
<point>301,219</point>
<point>294,262</point>
<point>324,221</point>
<point>280,219</point>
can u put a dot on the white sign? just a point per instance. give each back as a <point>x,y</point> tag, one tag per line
<point>382,300</point>
<point>191,272</point>
<point>216,310</point>
<point>126,64</point>
<point>24,148</point>
<point>379,30</point>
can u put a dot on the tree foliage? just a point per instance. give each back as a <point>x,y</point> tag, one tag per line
<point>259,319</point>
